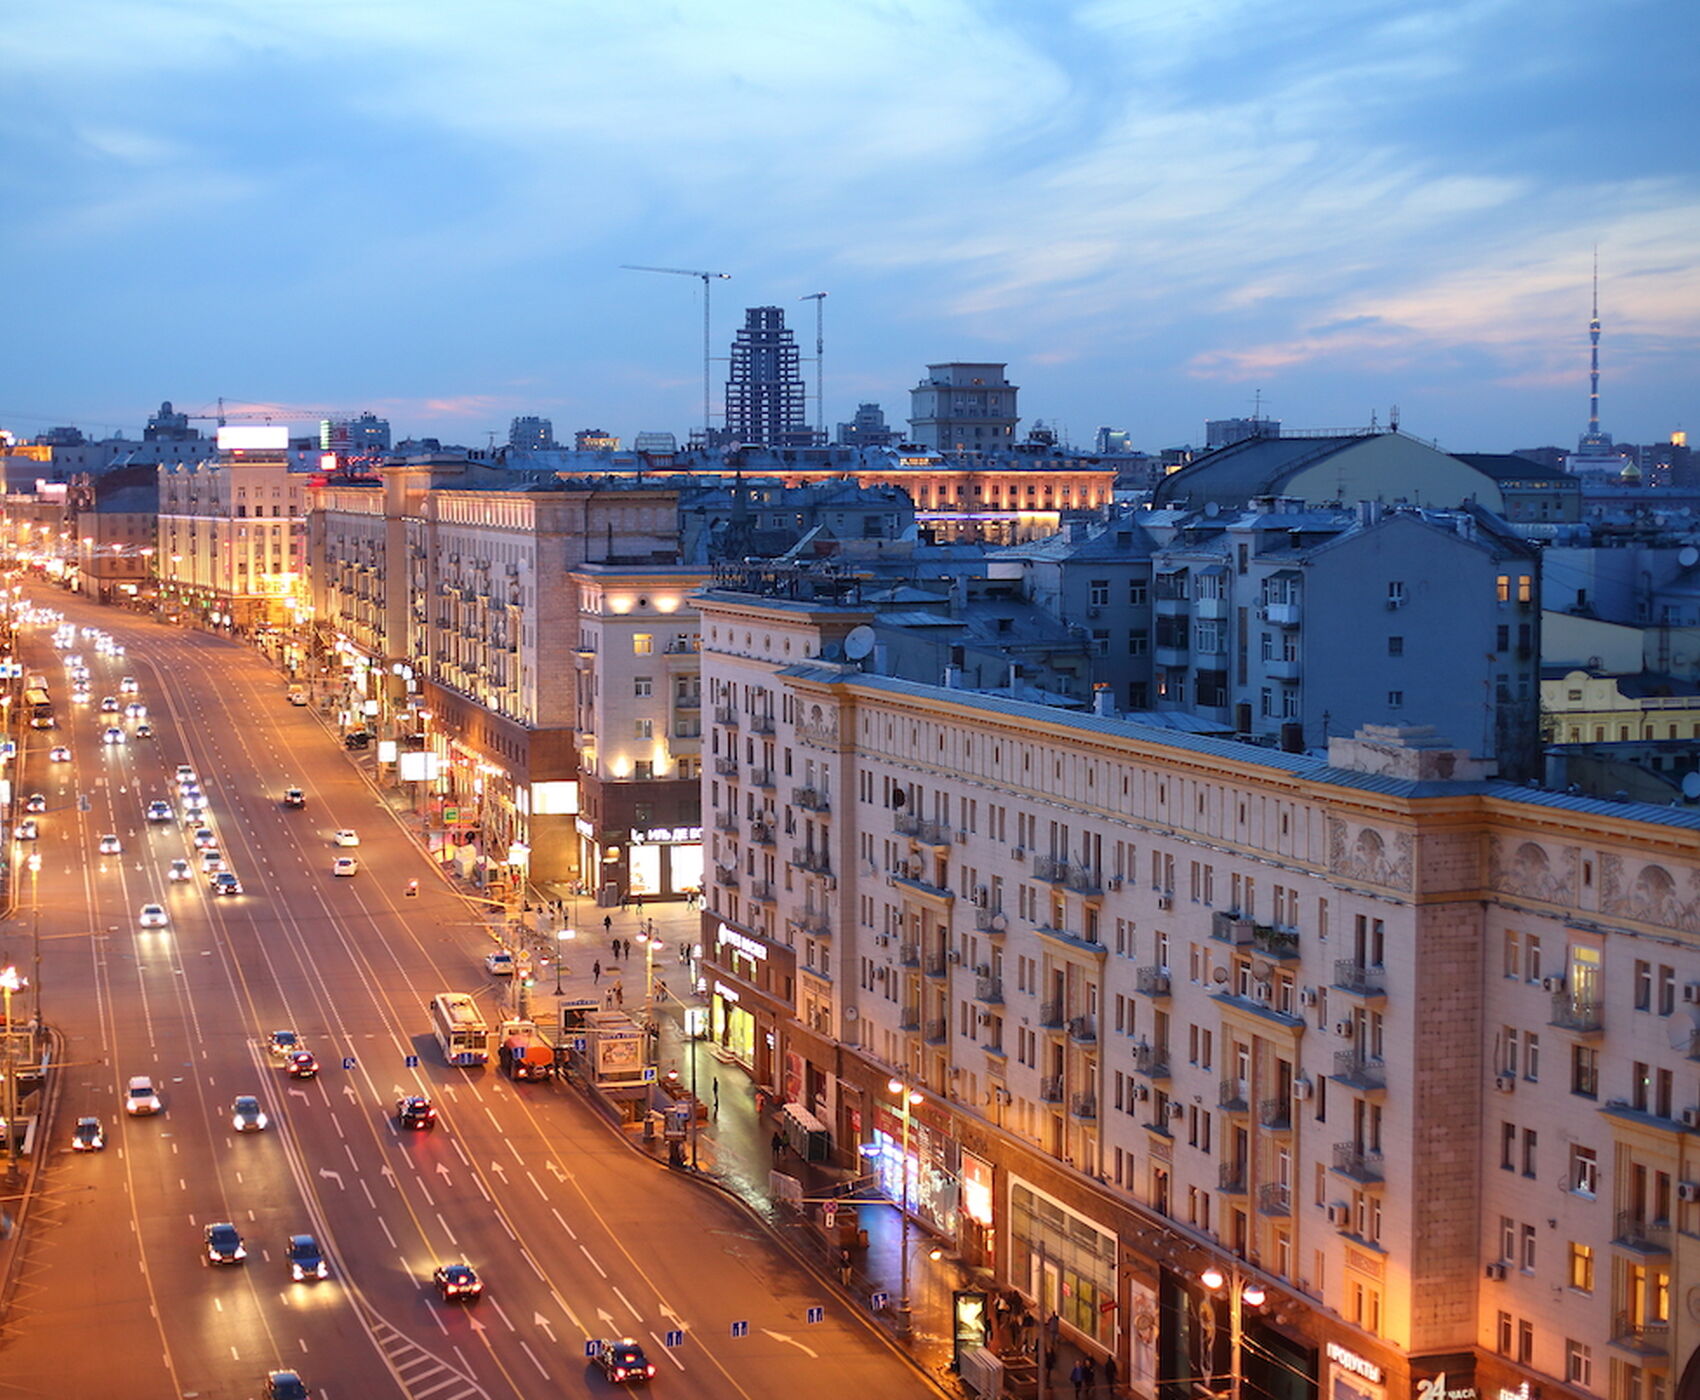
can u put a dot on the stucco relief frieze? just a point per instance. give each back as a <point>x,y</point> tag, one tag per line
<point>1528,870</point>
<point>1364,855</point>
<point>1649,894</point>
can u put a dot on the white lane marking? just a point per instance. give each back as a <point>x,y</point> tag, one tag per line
<point>445,1224</point>
<point>499,1313</point>
<point>536,1268</point>
<point>534,1361</point>
<point>384,1226</point>
<point>479,1183</point>
<point>515,1151</point>
<point>572,1316</point>
<point>593,1264</point>
<point>538,1184</point>
<point>628,1302</point>
<point>502,1220</point>
<point>667,1351</point>
<point>460,1152</point>
<point>368,1190</point>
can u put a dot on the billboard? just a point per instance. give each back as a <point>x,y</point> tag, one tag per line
<point>254,437</point>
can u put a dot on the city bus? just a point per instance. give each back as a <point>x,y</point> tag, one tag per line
<point>40,708</point>
<point>460,1028</point>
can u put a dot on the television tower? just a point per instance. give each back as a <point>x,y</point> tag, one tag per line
<point>1594,440</point>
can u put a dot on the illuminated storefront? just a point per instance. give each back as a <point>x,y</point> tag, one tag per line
<point>743,973</point>
<point>934,1189</point>
<point>1064,1260</point>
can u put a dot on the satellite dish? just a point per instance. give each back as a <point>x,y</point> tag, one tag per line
<point>1691,786</point>
<point>1688,556</point>
<point>999,923</point>
<point>859,642</point>
<point>1261,970</point>
<point>851,1013</point>
<point>1212,509</point>
<point>1220,975</point>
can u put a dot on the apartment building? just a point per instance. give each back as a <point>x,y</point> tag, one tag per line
<point>445,594</point>
<point>639,725</point>
<point>1412,1051</point>
<point>231,530</point>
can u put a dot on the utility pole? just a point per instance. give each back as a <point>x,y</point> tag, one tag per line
<point>819,299</point>
<point>706,277</point>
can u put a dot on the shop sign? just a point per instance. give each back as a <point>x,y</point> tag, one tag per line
<point>1448,1385</point>
<point>1523,1392</point>
<point>977,1190</point>
<point>1357,1365</point>
<point>586,828</point>
<point>666,835</point>
<point>745,945</point>
<point>724,992</point>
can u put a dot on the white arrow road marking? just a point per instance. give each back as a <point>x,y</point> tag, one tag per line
<point>538,1320</point>
<point>500,1171</point>
<point>299,1093</point>
<point>388,1173</point>
<point>325,1173</point>
<point>443,1171</point>
<point>557,1171</point>
<point>607,1320</point>
<point>349,1090</point>
<point>790,1341</point>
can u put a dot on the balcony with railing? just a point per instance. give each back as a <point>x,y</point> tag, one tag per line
<point>761,833</point>
<point>990,921</point>
<point>727,714</point>
<point>762,892</point>
<point>1230,1177</point>
<point>935,1031</point>
<point>761,724</point>
<point>1051,1089</point>
<point>1636,1333</point>
<point>761,777</point>
<point>1275,1112</point>
<point>1581,1012</point>
<point>933,965</point>
<point>989,989</point>
<point>1083,1030</point>
<point>726,821</point>
<point>910,1019</point>
<point>1357,1070</point>
<point>1644,1236</point>
<point>909,954</point>
<point>1359,978</point>
<point>810,799</point>
<point>1275,941</point>
<point>913,874</point>
<point>1072,875</point>
<point>814,921</point>
<point>1084,1107</point>
<point>1357,1163</point>
<point>810,859</point>
<point>1051,1015</point>
<point>1152,981</point>
<point>1231,929</point>
<point>726,876</point>
<point>1275,1198</point>
<point>1231,1096</point>
<point>1151,1060</point>
<point>919,829</point>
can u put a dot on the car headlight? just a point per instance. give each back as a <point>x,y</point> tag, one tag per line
<point>324,1270</point>
<point>260,1121</point>
<point>240,1253</point>
<point>296,1270</point>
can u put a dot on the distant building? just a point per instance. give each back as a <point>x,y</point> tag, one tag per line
<point>1111,442</point>
<point>765,396</point>
<point>365,436</point>
<point>168,426</point>
<point>659,443</point>
<point>963,407</point>
<point>531,432</point>
<point>868,429</point>
<point>595,440</point>
<point>1225,432</point>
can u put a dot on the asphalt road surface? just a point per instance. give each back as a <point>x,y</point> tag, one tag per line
<point>575,1235</point>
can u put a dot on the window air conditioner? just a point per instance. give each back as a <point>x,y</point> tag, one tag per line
<point>1552,984</point>
<point>1495,1271</point>
<point>1688,1191</point>
<point>1301,1089</point>
<point>1339,1213</point>
<point>1691,1117</point>
<point>1505,1083</point>
<point>1343,1029</point>
<point>1307,997</point>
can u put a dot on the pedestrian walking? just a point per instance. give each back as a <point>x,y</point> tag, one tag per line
<point>625,901</point>
<point>619,993</point>
<point>608,999</point>
<point>596,972</point>
<point>1050,1363</point>
<point>607,923</point>
<point>844,1267</point>
<point>1091,1368</point>
<point>1078,1377</point>
<point>1110,1375</point>
<point>1053,1327</point>
<point>778,1145</point>
<point>717,1096</point>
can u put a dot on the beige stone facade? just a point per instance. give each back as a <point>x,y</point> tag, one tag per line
<point>1413,1050</point>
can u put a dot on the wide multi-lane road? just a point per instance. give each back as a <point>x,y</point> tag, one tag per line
<point>575,1235</point>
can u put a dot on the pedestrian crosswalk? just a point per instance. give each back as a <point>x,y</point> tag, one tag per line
<point>422,1375</point>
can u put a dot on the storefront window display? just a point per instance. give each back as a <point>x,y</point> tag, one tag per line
<point>1065,1260</point>
<point>934,1189</point>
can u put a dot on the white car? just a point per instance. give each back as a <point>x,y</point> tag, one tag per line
<point>109,705</point>
<point>185,774</point>
<point>344,865</point>
<point>347,838</point>
<point>58,754</point>
<point>111,846</point>
<point>153,916</point>
<point>178,871</point>
<point>141,1098</point>
<point>26,830</point>
<point>135,710</point>
<point>113,736</point>
<point>159,810</point>
<point>212,860</point>
<point>128,686</point>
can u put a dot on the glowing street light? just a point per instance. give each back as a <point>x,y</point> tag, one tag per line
<point>1242,1292</point>
<point>907,1098</point>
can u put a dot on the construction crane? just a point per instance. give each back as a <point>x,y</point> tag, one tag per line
<point>706,277</point>
<point>819,299</point>
<point>292,413</point>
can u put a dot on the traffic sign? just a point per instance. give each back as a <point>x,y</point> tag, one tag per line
<point>348,1062</point>
<point>879,1300</point>
<point>579,1043</point>
<point>829,1214</point>
<point>649,1074</point>
<point>740,1329</point>
<point>675,1337</point>
<point>411,1061</point>
<point>816,1315</point>
<point>592,1348</point>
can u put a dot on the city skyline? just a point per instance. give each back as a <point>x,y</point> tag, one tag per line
<point>1153,219</point>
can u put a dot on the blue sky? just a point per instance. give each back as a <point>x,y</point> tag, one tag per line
<point>1153,210</point>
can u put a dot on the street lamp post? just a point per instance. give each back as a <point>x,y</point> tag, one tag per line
<point>1241,1291</point>
<point>562,938</point>
<point>647,938</point>
<point>906,1098</point>
<point>9,983</point>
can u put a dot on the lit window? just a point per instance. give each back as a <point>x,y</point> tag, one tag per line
<point>642,644</point>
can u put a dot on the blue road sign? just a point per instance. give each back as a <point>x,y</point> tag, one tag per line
<point>879,1300</point>
<point>649,1074</point>
<point>348,1062</point>
<point>592,1347</point>
<point>740,1329</point>
<point>411,1061</point>
<point>676,1337</point>
<point>816,1315</point>
<point>579,1043</point>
